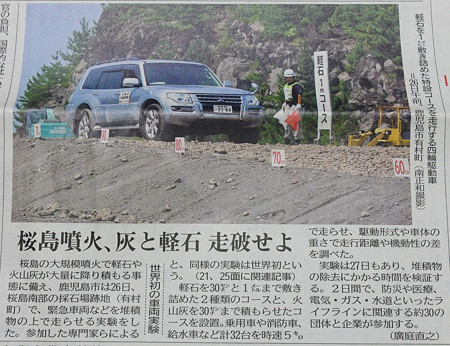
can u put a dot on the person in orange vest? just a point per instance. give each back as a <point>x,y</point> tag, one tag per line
<point>292,102</point>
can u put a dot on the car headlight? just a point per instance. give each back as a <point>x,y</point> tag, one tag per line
<point>180,98</point>
<point>251,100</point>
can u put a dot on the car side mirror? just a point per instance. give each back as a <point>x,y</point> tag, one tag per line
<point>130,82</point>
<point>227,84</point>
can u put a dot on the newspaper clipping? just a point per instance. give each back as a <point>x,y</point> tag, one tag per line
<point>216,172</point>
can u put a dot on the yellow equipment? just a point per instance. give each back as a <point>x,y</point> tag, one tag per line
<point>389,132</point>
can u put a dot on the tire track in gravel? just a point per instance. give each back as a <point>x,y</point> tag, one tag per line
<point>319,206</point>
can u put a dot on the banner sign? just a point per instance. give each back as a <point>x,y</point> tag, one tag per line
<point>322,90</point>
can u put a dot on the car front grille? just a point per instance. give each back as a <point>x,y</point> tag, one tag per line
<point>208,100</point>
<point>219,99</point>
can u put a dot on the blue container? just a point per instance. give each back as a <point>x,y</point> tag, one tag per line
<point>53,130</point>
<point>50,126</point>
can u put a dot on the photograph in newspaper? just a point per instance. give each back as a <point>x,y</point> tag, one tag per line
<point>95,127</point>
<point>214,173</point>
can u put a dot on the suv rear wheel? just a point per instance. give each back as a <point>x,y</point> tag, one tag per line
<point>153,125</point>
<point>84,125</point>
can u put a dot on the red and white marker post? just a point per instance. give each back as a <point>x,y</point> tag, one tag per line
<point>401,167</point>
<point>278,158</point>
<point>104,137</point>
<point>180,145</point>
<point>37,131</point>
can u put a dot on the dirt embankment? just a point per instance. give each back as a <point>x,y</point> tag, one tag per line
<point>134,181</point>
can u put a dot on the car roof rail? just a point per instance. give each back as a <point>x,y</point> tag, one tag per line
<point>115,60</point>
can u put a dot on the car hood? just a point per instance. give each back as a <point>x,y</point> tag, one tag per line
<point>199,89</point>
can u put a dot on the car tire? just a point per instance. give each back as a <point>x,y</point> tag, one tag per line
<point>153,126</point>
<point>84,126</point>
<point>250,135</point>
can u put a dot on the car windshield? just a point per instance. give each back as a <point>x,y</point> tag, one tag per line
<point>179,74</point>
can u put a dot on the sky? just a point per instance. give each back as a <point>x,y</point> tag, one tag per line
<point>49,26</point>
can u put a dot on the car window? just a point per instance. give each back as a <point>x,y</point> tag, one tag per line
<point>179,74</point>
<point>91,81</point>
<point>111,80</point>
<point>132,71</point>
<point>103,79</point>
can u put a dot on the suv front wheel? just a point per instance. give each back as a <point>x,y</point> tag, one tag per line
<point>84,125</point>
<point>153,126</point>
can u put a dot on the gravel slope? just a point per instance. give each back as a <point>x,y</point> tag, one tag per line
<point>135,181</point>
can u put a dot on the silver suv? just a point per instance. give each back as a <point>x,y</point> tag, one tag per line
<point>162,99</point>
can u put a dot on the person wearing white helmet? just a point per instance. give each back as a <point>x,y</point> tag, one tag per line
<point>288,73</point>
<point>292,101</point>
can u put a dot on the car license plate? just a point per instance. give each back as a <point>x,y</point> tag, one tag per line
<point>227,109</point>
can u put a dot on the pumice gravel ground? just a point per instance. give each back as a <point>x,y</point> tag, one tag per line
<point>135,181</point>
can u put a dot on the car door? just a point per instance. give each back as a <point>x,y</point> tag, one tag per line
<point>108,94</point>
<point>123,110</point>
<point>90,94</point>
<point>103,95</point>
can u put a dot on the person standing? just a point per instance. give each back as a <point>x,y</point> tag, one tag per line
<point>293,91</point>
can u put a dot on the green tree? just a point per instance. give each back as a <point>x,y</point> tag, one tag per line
<point>375,27</point>
<point>313,18</point>
<point>164,51</point>
<point>306,73</point>
<point>78,44</point>
<point>271,131</point>
<point>198,50</point>
<point>39,86</point>
<point>19,120</point>
<point>56,74</point>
